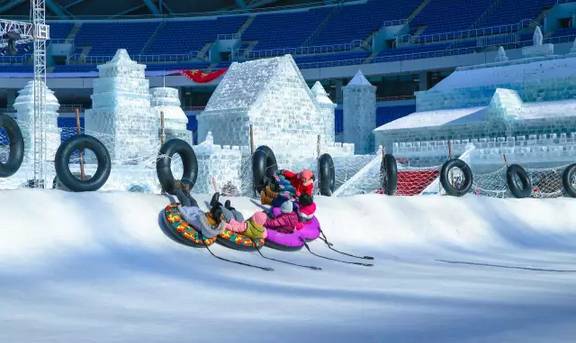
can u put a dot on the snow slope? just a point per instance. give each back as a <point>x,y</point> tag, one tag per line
<point>95,267</point>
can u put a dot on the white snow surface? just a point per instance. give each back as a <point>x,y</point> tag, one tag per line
<point>96,267</point>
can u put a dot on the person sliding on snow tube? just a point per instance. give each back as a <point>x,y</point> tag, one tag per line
<point>306,208</point>
<point>303,182</point>
<point>209,224</point>
<point>286,221</point>
<point>255,226</point>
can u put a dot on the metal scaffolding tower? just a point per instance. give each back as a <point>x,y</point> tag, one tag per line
<point>38,32</point>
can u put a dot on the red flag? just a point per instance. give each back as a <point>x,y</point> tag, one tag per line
<point>199,76</point>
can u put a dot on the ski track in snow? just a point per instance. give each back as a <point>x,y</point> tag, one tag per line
<point>96,267</point>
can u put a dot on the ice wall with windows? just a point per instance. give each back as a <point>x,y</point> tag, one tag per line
<point>121,114</point>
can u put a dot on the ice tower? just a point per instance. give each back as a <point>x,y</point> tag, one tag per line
<point>327,108</point>
<point>360,113</point>
<point>24,105</point>
<point>121,115</point>
<point>165,100</point>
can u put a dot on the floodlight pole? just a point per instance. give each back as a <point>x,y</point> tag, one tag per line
<point>38,32</point>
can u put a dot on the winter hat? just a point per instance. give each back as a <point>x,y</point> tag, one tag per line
<point>287,207</point>
<point>308,210</point>
<point>259,218</point>
<point>306,174</point>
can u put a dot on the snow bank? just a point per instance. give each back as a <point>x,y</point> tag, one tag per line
<point>96,267</point>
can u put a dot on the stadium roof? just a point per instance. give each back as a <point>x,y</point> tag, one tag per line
<point>94,9</point>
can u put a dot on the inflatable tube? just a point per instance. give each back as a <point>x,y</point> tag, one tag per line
<point>16,155</point>
<point>181,230</point>
<point>567,177</point>
<point>293,241</point>
<point>464,186</point>
<point>263,166</point>
<point>327,175</point>
<point>163,164</point>
<point>238,241</point>
<point>389,174</point>
<point>518,181</point>
<point>67,178</point>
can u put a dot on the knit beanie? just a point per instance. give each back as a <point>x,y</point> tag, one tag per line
<point>259,218</point>
<point>287,207</point>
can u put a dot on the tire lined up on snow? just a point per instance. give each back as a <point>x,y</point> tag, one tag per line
<point>567,176</point>
<point>164,161</point>
<point>264,166</point>
<point>62,159</point>
<point>389,174</point>
<point>466,184</point>
<point>16,155</point>
<point>327,175</point>
<point>518,181</point>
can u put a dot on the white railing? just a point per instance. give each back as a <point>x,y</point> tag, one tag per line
<point>146,59</point>
<point>305,50</point>
<point>466,34</point>
<point>228,36</point>
<point>14,59</point>
<point>395,22</point>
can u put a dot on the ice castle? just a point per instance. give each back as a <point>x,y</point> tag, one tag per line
<point>272,96</point>
<point>121,114</point>
<point>525,108</point>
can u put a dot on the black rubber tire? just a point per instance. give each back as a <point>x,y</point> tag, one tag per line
<point>326,175</point>
<point>566,176</point>
<point>62,159</point>
<point>263,166</point>
<point>445,175</point>
<point>522,190</point>
<point>16,155</point>
<point>389,174</point>
<point>163,164</point>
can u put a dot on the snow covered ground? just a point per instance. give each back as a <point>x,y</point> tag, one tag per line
<point>96,267</point>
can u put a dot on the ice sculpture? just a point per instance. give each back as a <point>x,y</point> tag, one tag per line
<point>360,113</point>
<point>501,55</point>
<point>165,100</point>
<point>521,108</point>
<point>272,96</point>
<point>121,114</point>
<point>24,105</point>
<point>327,108</point>
<point>538,49</point>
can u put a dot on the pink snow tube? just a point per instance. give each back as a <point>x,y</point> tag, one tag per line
<point>295,240</point>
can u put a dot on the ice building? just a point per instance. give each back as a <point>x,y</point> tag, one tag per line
<point>360,113</point>
<point>272,96</point>
<point>165,100</point>
<point>24,105</point>
<point>525,108</point>
<point>121,115</point>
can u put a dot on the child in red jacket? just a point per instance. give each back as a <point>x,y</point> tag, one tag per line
<point>303,182</point>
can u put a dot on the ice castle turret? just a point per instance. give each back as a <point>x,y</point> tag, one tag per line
<point>166,100</point>
<point>360,113</point>
<point>327,108</point>
<point>24,105</point>
<point>121,114</point>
